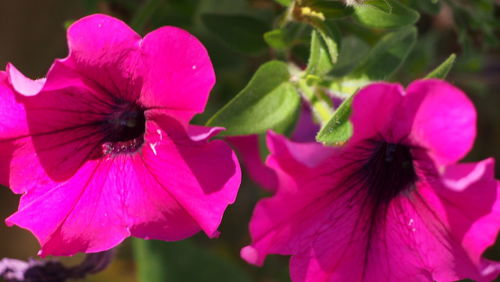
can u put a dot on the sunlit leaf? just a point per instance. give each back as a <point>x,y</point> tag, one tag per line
<point>338,129</point>
<point>320,62</point>
<point>376,13</point>
<point>277,39</point>
<point>284,2</point>
<point>330,9</point>
<point>269,101</point>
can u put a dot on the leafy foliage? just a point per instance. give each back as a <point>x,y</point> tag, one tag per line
<point>338,129</point>
<point>269,101</point>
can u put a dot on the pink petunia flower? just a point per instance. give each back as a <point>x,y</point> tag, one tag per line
<point>101,149</point>
<point>248,147</point>
<point>392,204</point>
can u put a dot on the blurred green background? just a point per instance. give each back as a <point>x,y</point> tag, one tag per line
<point>32,34</point>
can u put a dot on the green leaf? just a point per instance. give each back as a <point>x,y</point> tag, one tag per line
<point>183,261</point>
<point>375,14</point>
<point>442,70</point>
<point>330,9</point>
<point>269,101</point>
<point>277,39</point>
<point>68,23</point>
<point>387,55</point>
<point>338,129</point>
<point>330,36</point>
<point>240,32</point>
<point>320,62</point>
<point>353,51</point>
<point>382,5</point>
<point>284,2</point>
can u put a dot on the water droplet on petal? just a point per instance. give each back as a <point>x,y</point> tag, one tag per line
<point>153,148</point>
<point>160,134</point>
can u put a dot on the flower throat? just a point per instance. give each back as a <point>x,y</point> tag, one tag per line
<point>388,172</point>
<point>124,129</point>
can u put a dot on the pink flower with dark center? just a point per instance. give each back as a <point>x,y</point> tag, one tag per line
<point>248,147</point>
<point>102,149</point>
<point>392,204</point>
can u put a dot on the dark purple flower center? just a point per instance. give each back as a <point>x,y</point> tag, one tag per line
<point>124,129</point>
<point>388,172</point>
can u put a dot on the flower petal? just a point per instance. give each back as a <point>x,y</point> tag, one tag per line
<point>22,84</point>
<point>12,113</point>
<point>202,176</point>
<point>176,71</point>
<point>444,121</point>
<point>105,50</point>
<point>470,199</point>
<point>410,243</point>
<point>64,124</point>
<point>334,232</point>
<point>102,204</point>
<point>83,214</point>
<point>295,154</point>
<point>283,223</point>
<point>248,150</point>
<point>151,211</point>
<point>373,113</point>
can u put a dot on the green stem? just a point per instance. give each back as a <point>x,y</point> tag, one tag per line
<point>288,16</point>
<point>322,110</point>
<point>148,256</point>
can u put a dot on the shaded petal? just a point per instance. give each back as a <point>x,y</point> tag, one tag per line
<point>64,121</point>
<point>444,119</point>
<point>469,201</point>
<point>296,155</point>
<point>202,176</point>
<point>12,113</point>
<point>306,128</point>
<point>176,71</point>
<point>13,124</point>
<point>106,51</point>
<point>248,151</point>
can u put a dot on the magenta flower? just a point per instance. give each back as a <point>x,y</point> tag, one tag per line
<point>101,149</point>
<point>248,149</point>
<point>392,204</point>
